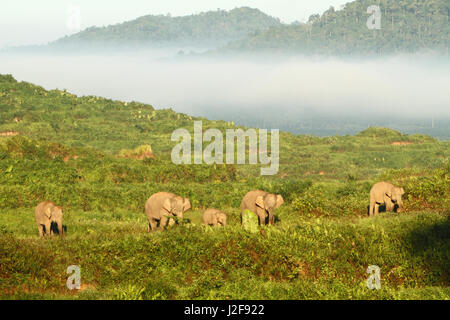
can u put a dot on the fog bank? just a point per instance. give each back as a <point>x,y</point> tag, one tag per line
<point>403,86</point>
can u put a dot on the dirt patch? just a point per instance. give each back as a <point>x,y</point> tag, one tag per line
<point>67,158</point>
<point>401,143</point>
<point>9,133</point>
<point>87,287</point>
<point>141,156</point>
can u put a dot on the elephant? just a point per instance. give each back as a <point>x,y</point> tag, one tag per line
<point>214,217</point>
<point>47,212</point>
<point>387,193</point>
<point>263,204</point>
<point>162,207</point>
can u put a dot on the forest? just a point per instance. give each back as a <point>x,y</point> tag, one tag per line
<point>407,26</point>
<point>212,28</point>
<point>100,159</point>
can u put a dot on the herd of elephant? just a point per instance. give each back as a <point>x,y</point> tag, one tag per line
<point>166,209</point>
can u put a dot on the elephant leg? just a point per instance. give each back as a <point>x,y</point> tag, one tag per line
<point>151,225</point>
<point>60,229</point>
<point>377,207</point>
<point>41,230</point>
<point>272,219</point>
<point>162,222</point>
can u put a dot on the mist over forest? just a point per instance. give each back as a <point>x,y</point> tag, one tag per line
<point>329,75</point>
<point>305,95</point>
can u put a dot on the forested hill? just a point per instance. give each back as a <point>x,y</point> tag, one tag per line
<point>113,127</point>
<point>406,26</point>
<point>207,28</point>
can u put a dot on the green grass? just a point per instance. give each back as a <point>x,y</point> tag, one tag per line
<point>300,258</point>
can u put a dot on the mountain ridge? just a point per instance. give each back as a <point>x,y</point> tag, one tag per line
<point>203,29</point>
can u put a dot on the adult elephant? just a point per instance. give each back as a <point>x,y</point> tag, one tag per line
<point>263,204</point>
<point>385,193</point>
<point>163,207</point>
<point>47,213</point>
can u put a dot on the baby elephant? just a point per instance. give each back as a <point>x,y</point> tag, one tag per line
<point>387,193</point>
<point>162,207</point>
<point>214,217</point>
<point>47,212</point>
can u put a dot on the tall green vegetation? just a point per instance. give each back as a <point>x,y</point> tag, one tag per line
<point>406,26</point>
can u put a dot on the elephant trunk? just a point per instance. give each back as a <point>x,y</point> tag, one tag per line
<point>271,215</point>
<point>178,218</point>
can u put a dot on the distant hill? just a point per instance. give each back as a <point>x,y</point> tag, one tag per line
<point>406,26</point>
<point>205,29</point>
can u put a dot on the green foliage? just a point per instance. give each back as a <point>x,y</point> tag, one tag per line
<point>206,28</point>
<point>406,26</point>
<point>250,221</point>
<point>308,259</point>
<point>141,152</point>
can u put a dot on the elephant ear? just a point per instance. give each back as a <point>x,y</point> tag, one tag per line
<point>58,211</point>
<point>48,211</point>
<point>186,204</point>
<point>167,205</point>
<point>260,202</point>
<point>280,201</point>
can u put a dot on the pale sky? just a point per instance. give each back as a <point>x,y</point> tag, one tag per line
<point>36,22</point>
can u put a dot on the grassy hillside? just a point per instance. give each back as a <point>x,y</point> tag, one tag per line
<point>406,26</point>
<point>206,28</point>
<point>75,151</point>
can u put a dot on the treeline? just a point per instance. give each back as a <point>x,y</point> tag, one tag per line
<point>206,28</point>
<point>406,26</point>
